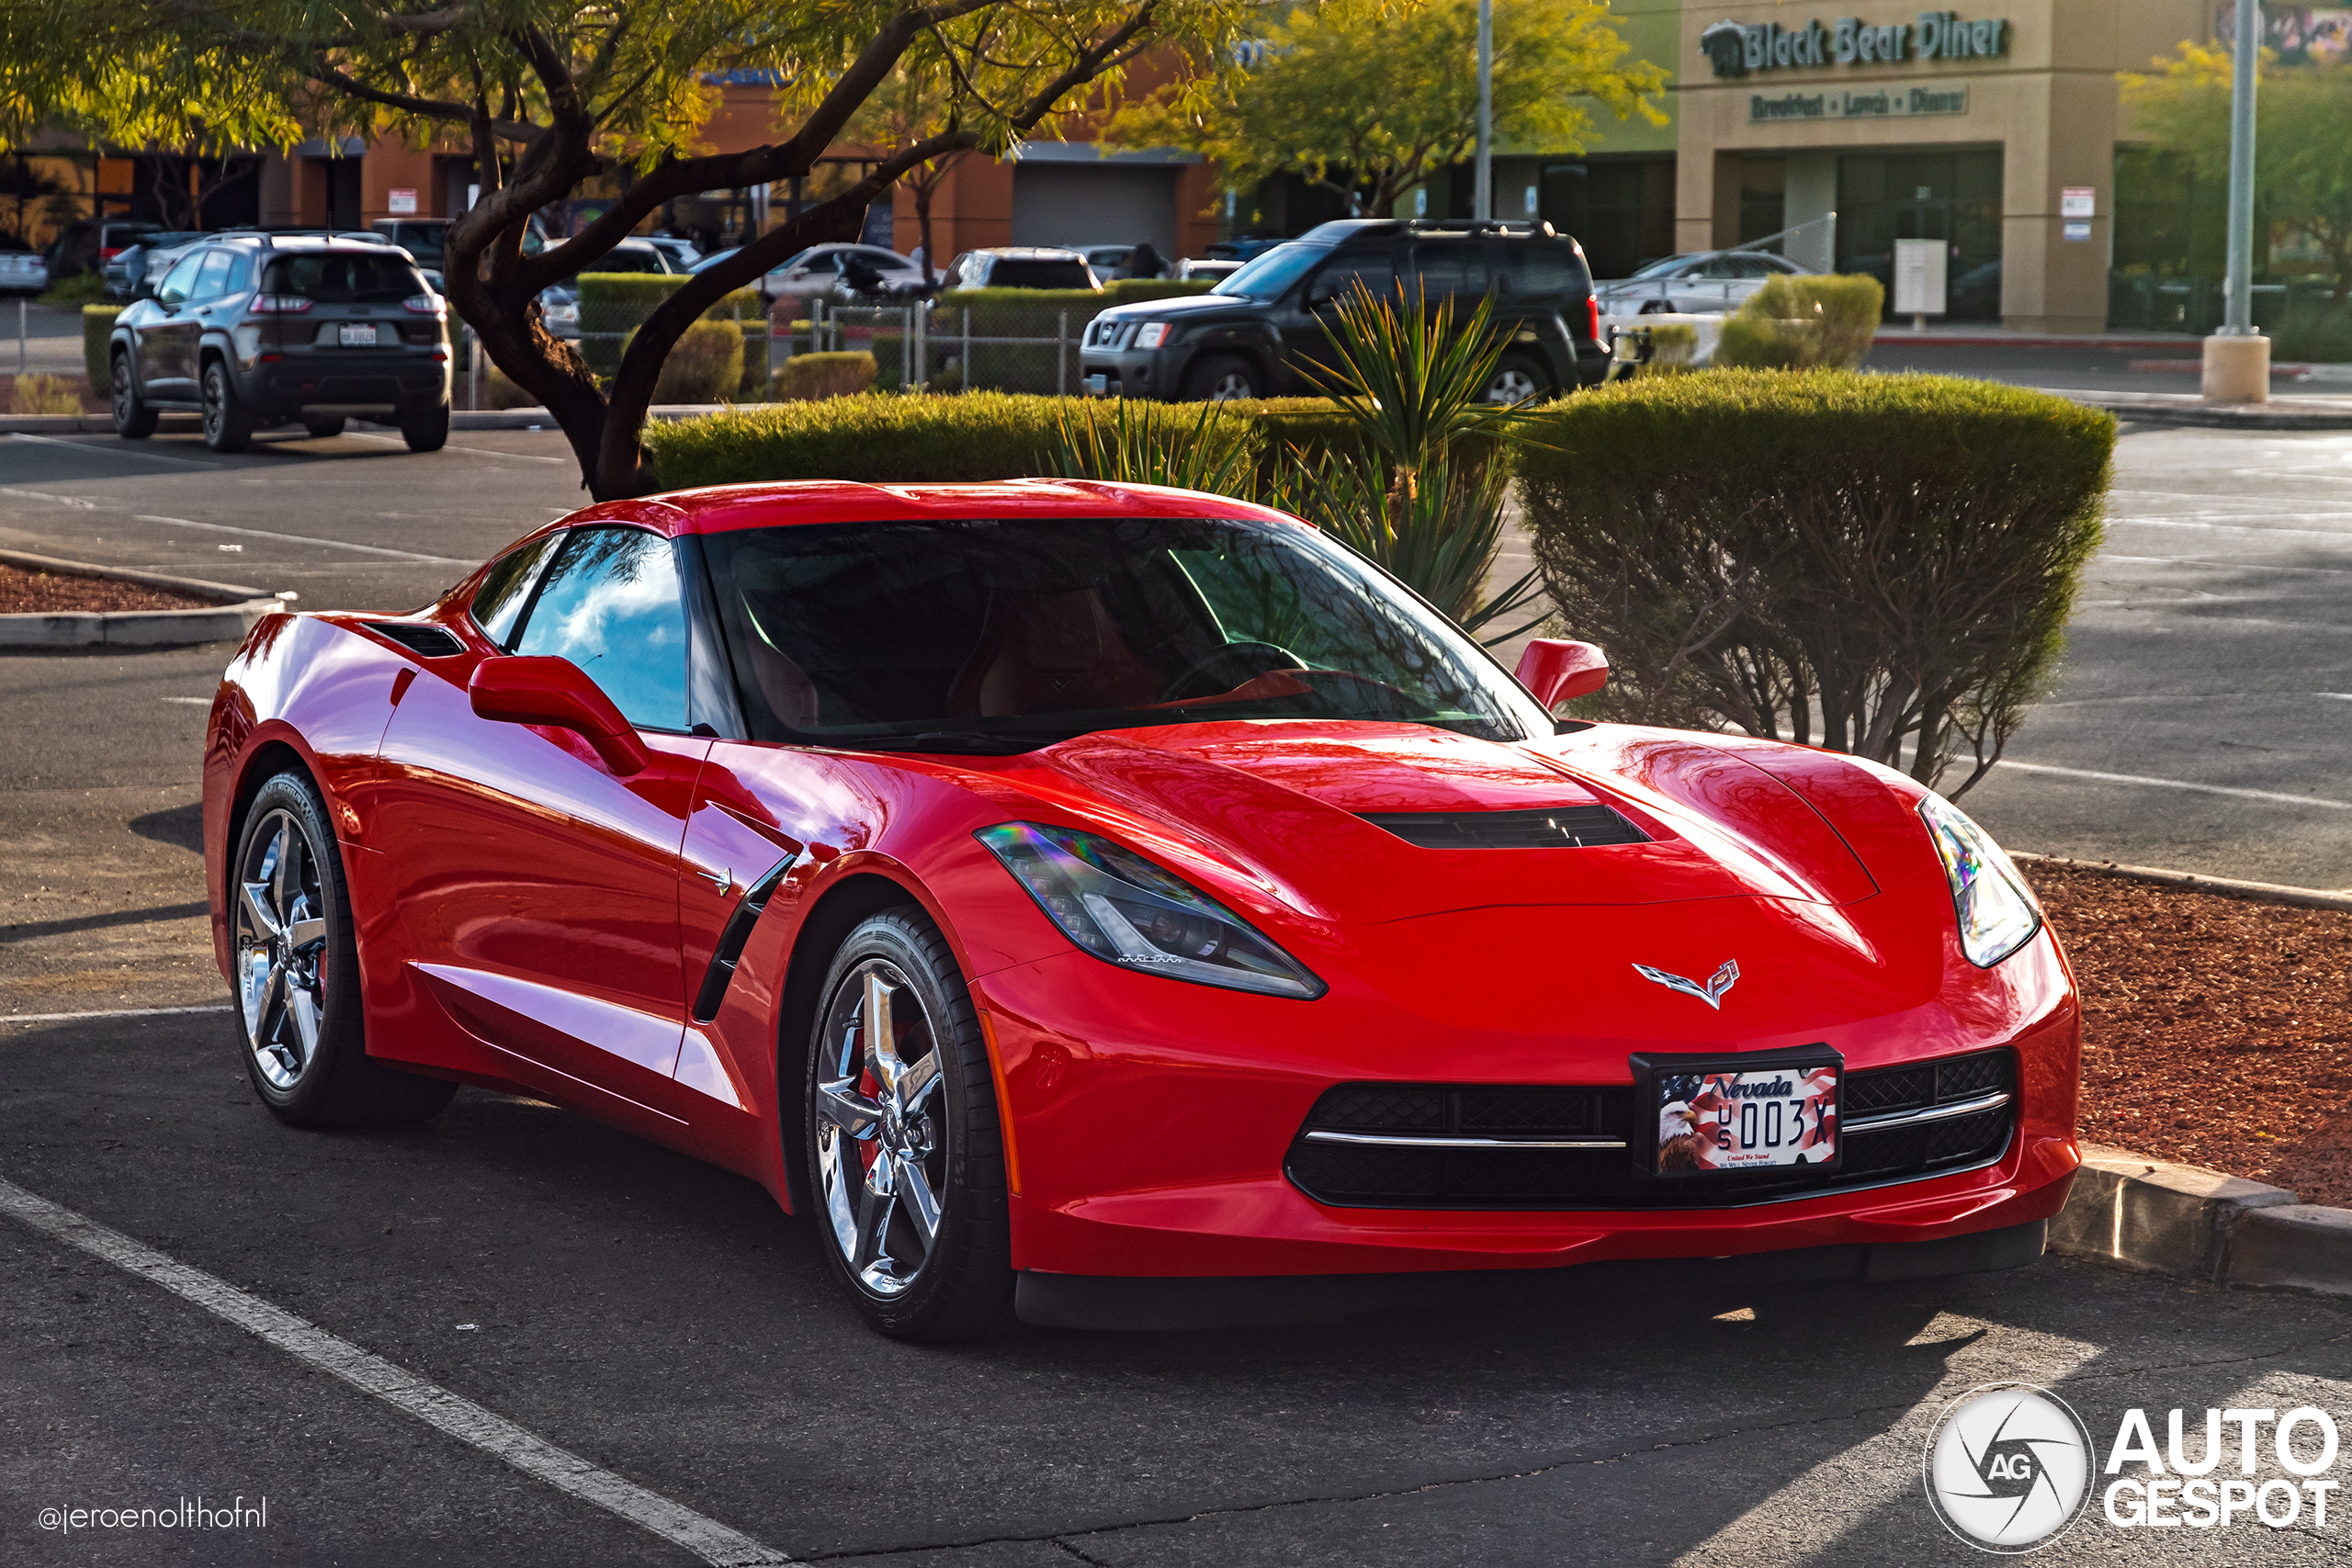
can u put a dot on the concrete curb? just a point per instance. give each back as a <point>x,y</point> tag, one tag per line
<point>2260,892</point>
<point>2159,1218</point>
<point>2193,1224</point>
<point>2187,409</point>
<point>228,621</point>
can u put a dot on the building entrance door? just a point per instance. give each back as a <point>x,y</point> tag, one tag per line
<point>1952,196</point>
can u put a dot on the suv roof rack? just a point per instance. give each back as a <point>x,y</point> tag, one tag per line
<point>270,236</point>
<point>1535,226</point>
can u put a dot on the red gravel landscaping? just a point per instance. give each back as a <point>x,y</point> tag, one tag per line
<point>2216,1029</point>
<point>23,591</point>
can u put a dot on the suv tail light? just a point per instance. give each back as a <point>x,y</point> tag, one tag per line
<point>423,304</point>
<point>278,305</point>
<point>1592,317</point>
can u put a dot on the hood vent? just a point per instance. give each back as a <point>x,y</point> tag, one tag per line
<point>432,642</point>
<point>1552,828</point>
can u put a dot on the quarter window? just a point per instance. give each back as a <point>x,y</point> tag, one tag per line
<point>506,587</point>
<point>611,603</point>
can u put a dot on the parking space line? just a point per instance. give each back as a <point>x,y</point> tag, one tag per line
<point>301,540</point>
<point>116,451</point>
<point>2176,784</point>
<point>404,1390</point>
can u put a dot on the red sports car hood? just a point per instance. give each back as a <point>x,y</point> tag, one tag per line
<point>1283,805</point>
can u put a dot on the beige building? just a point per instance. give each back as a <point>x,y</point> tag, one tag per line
<point>1969,125</point>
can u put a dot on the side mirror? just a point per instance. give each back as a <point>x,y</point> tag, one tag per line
<point>1556,670</point>
<point>559,694</point>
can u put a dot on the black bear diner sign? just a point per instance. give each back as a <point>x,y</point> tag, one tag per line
<point>1736,49</point>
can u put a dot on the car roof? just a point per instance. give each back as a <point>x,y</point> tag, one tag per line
<point>1028,252</point>
<point>724,509</point>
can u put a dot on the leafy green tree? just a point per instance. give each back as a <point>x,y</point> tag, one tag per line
<point>1370,97</point>
<point>549,94</point>
<point>2302,140</point>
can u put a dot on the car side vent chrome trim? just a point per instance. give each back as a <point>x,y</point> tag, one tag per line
<point>1548,827</point>
<point>737,932</point>
<point>430,641</point>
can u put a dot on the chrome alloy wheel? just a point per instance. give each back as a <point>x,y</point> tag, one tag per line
<point>281,931</point>
<point>881,1152</point>
<point>1233,386</point>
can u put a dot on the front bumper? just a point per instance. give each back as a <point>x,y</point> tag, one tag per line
<point>1153,1143</point>
<point>1135,372</point>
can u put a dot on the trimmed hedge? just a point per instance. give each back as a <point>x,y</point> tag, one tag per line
<point>1803,323</point>
<point>98,325</point>
<point>613,305</point>
<point>808,376</point>
<point>905,440</point>
<point>1881,564</point>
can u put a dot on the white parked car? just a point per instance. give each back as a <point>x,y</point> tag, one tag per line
<point>818,271</point>
<point>1705,283</point>
<point>1022,267</point>
<point>23,270</point>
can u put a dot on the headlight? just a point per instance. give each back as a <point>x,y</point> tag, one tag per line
<point>1997,915</point>
<point>1122,909</point>
<point>1151,334</point>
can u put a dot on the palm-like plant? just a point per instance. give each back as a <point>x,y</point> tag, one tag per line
<point>1423,496</point>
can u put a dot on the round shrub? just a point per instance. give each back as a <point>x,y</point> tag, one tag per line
<point>705,366</point>
<point>1803,323</point>
<point>1882,565</point>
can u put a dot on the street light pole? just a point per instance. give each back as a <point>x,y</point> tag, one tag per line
<point>1483,205</point>
<point>2237,358</point>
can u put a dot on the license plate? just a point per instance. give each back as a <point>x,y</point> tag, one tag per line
<point>1099,385</point>
<point>1733,1118</point>
<point>359,334</point>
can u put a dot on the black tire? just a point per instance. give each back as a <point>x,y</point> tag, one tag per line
<point>426,429</point>
<point>227,427</point>
<point>956,1285</point>
<point>285,850</point>
<point>1518,378</point>
<point>1222,377</point>
<point>133,420</point>
<point>323,426</point>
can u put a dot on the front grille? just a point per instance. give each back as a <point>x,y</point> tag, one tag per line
<point>1548,827</point>
<point>1457,1173</point>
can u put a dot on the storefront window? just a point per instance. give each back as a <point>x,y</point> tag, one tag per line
<point>1954,196</point>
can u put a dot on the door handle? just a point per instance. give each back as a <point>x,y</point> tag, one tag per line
<point>722,879</point>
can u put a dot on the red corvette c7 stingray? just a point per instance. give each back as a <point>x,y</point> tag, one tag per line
<point>1059,890</point>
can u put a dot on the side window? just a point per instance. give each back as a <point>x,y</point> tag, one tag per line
<point>1449,267</point>
<point>241,274</point>
<point>505,589</point>
<point>1752,266</point>
<point>213,281</point>
<point>1718,267</point>
<point>611,603</point>
<point>1375,270</point>
<point>1544,270</point>
<point>179,284</point>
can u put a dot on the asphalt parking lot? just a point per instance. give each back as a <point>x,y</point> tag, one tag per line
<point>658,1319</point>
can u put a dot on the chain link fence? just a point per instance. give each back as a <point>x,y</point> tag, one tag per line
<point>947,348</point>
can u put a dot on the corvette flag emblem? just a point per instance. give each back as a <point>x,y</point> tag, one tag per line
<point>1712,993</point>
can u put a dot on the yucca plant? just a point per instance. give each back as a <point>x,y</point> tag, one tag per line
<point>1424,495</point>
<point>1213,450</point>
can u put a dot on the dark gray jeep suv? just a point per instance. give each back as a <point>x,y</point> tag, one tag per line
<point>1251,335</point>
<point>253,331</point>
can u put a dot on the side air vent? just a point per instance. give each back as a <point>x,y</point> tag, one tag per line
<point>738,931</point>
<point>432,642</point>
<point>1553,828</point>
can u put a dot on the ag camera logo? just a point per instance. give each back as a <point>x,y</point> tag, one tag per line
<point>2008,1467</point>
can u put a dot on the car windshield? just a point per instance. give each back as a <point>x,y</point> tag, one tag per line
<point>341,278</point>
<point>1268,274</point>
<point>1035,272</point>
<point>1002,635</point>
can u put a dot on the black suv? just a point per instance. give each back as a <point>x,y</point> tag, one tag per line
<point>1249,336</point>
<point>256,330</point>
